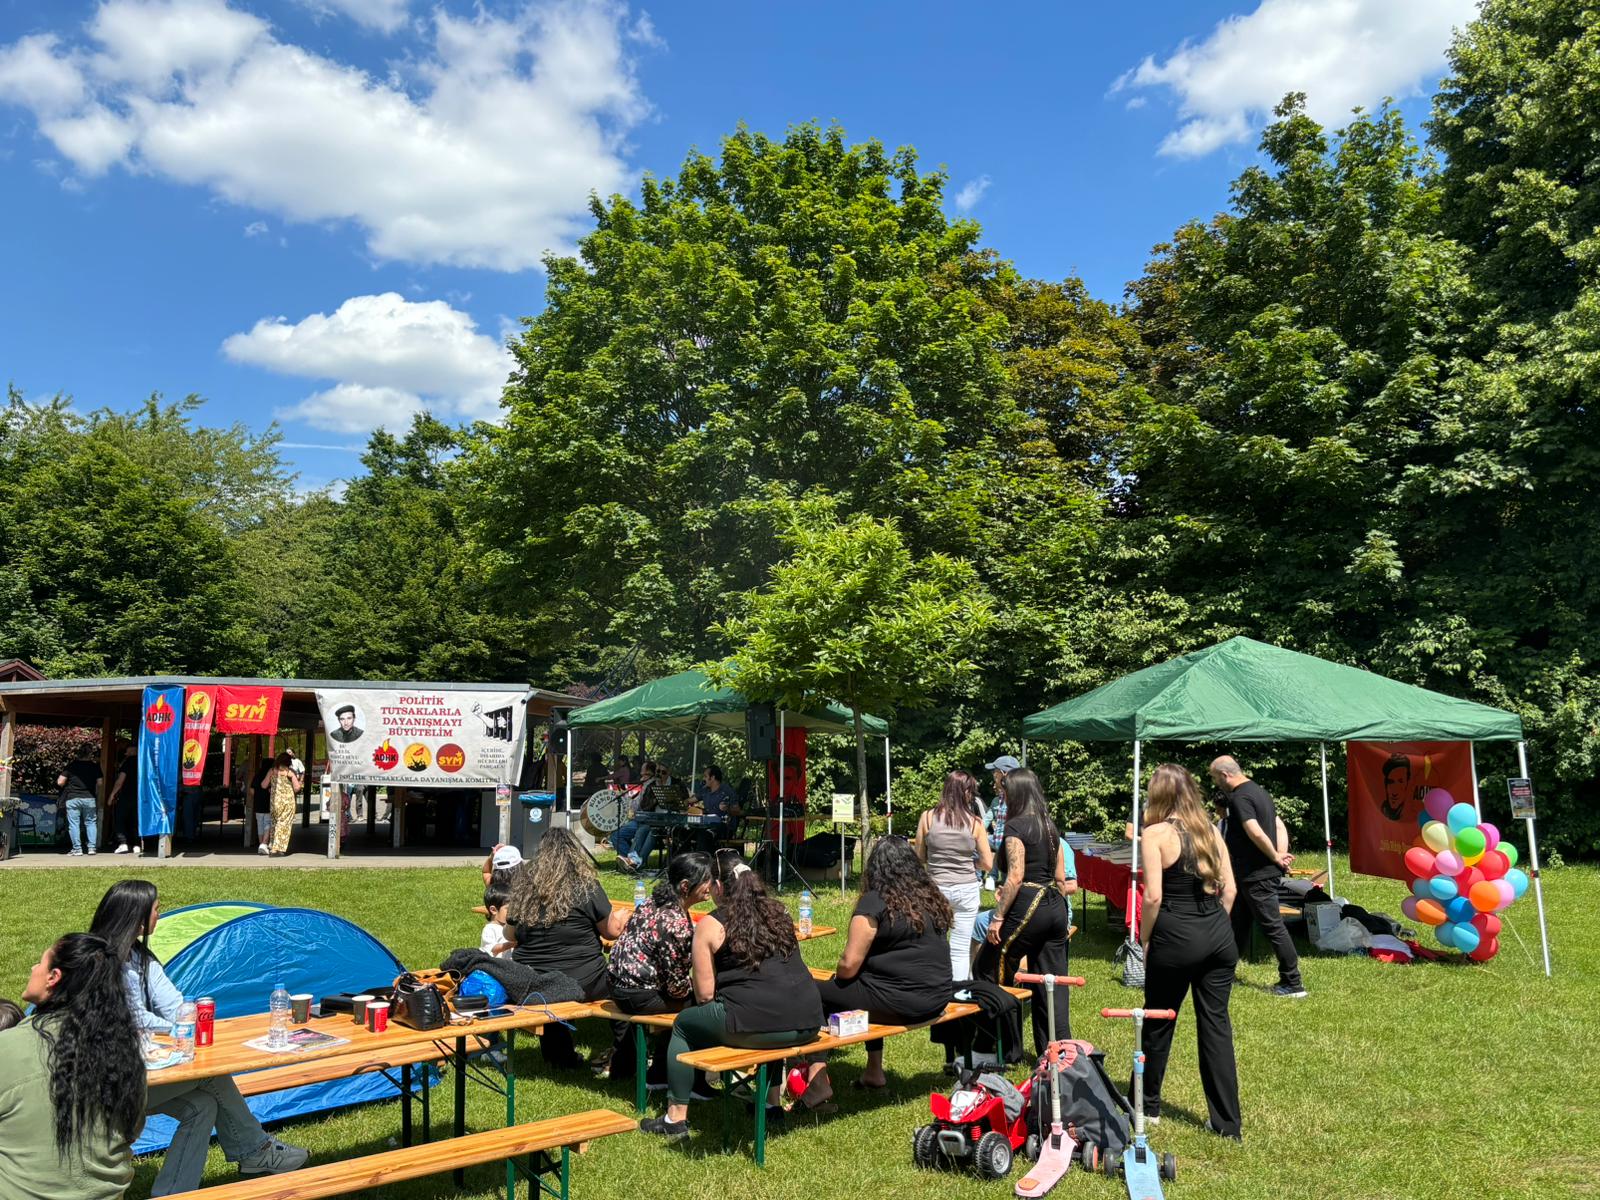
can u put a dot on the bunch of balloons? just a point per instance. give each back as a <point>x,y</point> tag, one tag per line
<point>1464,876</point>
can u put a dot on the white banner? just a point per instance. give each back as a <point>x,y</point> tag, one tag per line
<point>424,739</point>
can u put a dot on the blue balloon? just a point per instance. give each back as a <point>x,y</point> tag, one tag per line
<point>1460,816</point>
<point>1467,938</point>
<point>1422,819</point>
<point>1442,887</point>
<point>1446,933</point>
<point>1460,910</point>
<point>1518,879</point>
<point>1421,890</point>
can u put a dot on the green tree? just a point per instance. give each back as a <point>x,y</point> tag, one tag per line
<point>852,615</point>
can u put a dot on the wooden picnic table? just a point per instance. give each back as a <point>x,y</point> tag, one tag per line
<point>817,931</point>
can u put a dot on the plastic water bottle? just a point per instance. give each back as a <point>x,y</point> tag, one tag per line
<point>805,913</point>
<point>278,1009</point>
<point>183,1031</point>
<point>638,893</point>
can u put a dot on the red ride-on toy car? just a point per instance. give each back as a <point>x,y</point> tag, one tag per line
<point>981,1125</point>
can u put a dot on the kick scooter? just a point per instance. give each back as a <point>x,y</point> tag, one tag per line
<point>1140,1169</point>
<point>1058,1147</point>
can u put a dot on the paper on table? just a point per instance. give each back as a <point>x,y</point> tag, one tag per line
<point>300,1039</point>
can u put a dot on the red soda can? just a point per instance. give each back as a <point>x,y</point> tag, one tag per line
<point>205,1021</point>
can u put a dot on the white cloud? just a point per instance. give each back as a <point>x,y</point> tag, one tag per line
<point>480,151</point>
<point>1341,53</point>
<point>971,192</point>
<point>255,229</point>
<point>387,357</point>
<point>386,16</point>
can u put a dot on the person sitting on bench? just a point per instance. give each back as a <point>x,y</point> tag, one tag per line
<point>557,914</point>
<point>896,959</point>
<point>751,989</point>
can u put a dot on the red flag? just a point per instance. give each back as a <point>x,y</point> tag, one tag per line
<point>248,710</point>
<point>1387,783</point>
<point>199,705</point>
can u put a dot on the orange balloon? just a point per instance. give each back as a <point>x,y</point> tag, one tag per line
<point>1485,896</point>
<point>1431,912</point>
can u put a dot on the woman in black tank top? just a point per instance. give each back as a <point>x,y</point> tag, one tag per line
<point>1188,941</point>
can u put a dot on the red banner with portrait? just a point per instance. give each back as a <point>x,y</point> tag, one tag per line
<point>199,705</point>
<point>1387,783</point>
<point>248,709</point>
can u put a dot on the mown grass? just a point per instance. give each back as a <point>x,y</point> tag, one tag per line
<point>1425,1081</point>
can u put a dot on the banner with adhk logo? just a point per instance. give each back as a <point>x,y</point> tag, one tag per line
<point>160,747</point>
<point>439,739</point>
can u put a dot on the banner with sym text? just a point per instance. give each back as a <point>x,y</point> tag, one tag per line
<point>248,709</point>
<point>1387,783</point>
<point>424,738</point>
<point>199,705</point>
<point>160,747</point>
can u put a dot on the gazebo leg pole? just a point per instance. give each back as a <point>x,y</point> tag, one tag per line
<point>569,768</point>
<point>1472,759</point>
<point>780,814</point>
<point>888,788</point>
<point>1533,864</point>
<point>1024,751</point>
<point>1133,878</point>
<point>1327,821</point>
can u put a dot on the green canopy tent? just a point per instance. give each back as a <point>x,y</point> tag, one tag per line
<point>1243,690</point>
<point>689,702</point>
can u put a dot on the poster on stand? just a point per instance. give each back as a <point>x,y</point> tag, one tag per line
<point>421,739</point>
<point>1387,783</point>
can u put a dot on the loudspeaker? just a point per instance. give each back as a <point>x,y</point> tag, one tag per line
<point>761,731</point>
<point>558,730</point>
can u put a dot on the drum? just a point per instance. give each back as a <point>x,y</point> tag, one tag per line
<point>605,812</point>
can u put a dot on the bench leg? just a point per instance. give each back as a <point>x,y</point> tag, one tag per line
<point>640,1048</point>
<point>405,1104</point>
<point>427,1104</point>
<point>511,1108</point>
<point>566,1172</point>
<point>761,1115</point>
<point>727,1083</point>
<point>461,1099</point>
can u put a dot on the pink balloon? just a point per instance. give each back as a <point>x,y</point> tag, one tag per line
<point>1438,802</point>
<point>1409,907</point>
<point>1491,836</point>
<point>1507,894</point>
<point>1447,863</point>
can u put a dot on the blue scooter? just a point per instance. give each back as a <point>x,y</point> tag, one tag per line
<point>1142,1170</point>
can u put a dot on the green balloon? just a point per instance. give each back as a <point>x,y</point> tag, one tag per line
<point>1509,851</point>
<point>1470,842</point>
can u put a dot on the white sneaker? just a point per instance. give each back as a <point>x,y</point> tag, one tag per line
<point>138,849</point>
<point>122,848</point>
<point>262,849</point>
<point>274,1158</point>
<point>93,850</point>
<point>74,853</point>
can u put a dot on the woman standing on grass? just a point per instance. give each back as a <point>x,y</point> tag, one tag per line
<point>557,914</point>
<point>125,919</point>
<point>951,843</point>
<point>751,989</point>
<point>1188,940</point>
<point>71,1080</point>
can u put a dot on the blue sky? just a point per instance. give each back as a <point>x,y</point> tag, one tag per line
<point>330,212</point>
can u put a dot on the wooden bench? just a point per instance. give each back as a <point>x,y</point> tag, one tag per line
<point>535,1140</point>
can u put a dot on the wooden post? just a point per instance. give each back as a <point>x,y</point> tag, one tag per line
<point>311,745</point>
<point>107,753</point>
<point>8,820</point>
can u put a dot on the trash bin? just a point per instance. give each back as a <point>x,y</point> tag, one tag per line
<point>536,810</point>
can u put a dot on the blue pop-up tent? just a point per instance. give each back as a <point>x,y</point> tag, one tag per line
<point>236,950</point>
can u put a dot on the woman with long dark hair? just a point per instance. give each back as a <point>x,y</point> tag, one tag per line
<point>751,989</point>
<point>951,843</point>
<point>557,914</point>
<point>1188,940</point>
<point>71,1079</point>
<point>282,783</point>
<point>1030,909</point>
<point>125,919</point>
<point>896,959</point>
<point>650,962</point>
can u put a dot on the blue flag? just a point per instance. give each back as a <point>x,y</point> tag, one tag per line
<point>160,745</point>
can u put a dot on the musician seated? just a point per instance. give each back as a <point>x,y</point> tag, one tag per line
<point>662,794</point>
<point>622,837</point>
<point>719,806</point>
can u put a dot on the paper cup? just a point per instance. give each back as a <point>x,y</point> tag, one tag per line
<point>358,1008</point>
<point>378,1016</point>
<point>300,1008</point>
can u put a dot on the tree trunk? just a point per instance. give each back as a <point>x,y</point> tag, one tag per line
<point>862,805</point>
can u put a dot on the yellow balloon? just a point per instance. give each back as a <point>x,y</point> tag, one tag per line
<point>1436,836</point>
<point>1473,860</point>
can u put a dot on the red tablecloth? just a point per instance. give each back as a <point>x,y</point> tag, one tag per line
<point>1106,878</point>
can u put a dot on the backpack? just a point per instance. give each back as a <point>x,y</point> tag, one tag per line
<point>1090,1103</point>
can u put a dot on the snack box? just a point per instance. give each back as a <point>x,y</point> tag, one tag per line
<point>848,1024</point>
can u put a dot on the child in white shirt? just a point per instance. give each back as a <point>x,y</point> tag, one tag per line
<point>494,929</point>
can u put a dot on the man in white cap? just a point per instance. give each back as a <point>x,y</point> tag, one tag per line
<point>1001,767</point>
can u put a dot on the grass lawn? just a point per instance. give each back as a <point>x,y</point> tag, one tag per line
<point>1424,1081</point>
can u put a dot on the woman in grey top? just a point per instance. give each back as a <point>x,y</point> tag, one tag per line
<point>952,843</point>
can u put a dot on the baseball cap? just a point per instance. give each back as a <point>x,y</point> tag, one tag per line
<point>506,856</point>
<point>1004,763</point>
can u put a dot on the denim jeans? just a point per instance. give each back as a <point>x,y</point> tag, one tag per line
<point>643,843</point>
<point>83,806</point>
<point>964,903</point>
<point>197,1106</point>
<point>622,836</point>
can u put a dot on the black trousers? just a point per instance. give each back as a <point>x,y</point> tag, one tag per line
<point>641,1001</point>
<point>846,995</point>
<point>555,1040</point>
<point>1036,929</point>
<point>1193,953</point>
<point>1259,902</point>
<point>125,818</point>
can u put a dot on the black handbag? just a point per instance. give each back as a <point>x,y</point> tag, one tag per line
<point>420,1002</point>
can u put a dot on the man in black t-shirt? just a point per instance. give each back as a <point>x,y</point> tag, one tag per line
<point>78,781</point>
<point>1259,861</point>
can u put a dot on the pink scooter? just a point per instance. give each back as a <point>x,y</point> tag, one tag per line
<point>1057,1148</point>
